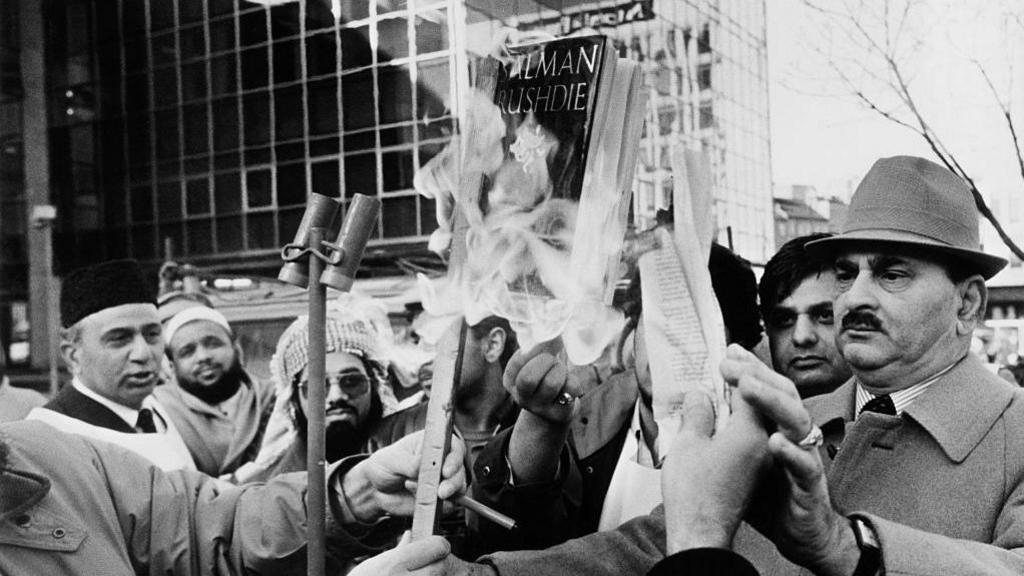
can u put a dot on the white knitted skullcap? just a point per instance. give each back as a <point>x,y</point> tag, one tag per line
<point>191,315</point>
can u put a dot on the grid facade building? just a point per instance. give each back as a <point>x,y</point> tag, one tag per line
<point>197,128</point>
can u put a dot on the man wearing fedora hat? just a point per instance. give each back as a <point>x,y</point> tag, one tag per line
<point>913,466</point>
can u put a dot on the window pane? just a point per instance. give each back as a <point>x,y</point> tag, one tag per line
<point>169,200</point>
<point>161,14</point>
<point>321,57</point>
<point>199,237</point>
<point>165,86</point>
<point>143,242</point>
<point>142,204</point>
<point>229,234</point>
<point>393,39</point>
<point>395,94</point>
<point>193,42</point>
<point>291,184</point>
<point>256,118</point>
<point>400,217</point>
<point>355,48</point>
<point>360,175</point>
<point>222,35</point>
<point>356,101</point>
<point>261,231</point>
<point>318,14</point>
<point>193,81</point>
<point>197,196</point>
<point>323,106</point>
<point>167,134</point>
<point>432,89</point>
<point>217,7</point>
<point>225,124</point>
<point>288,222</point>
<point>222,74</point>
<point>227,193</point>
<point>196,129</point>
<point>284,20</point>
<point>190,11</point>
<point>428,215</point>
<point>253,27</point>
<point>288,113</point>
<point>164,49</point>
<point>255,68</point>
<point>431,31</point>
<point>287,65</point>
<point>325,177</point>
<point>396,169</point>
<point>257,189</point>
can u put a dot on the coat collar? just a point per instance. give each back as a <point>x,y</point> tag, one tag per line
<point>603,412</point>
<point>961,407</point>
<point>20,491</point>
<point>957,410</point>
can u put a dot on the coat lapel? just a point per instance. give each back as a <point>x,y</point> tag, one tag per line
<point>72,403</point>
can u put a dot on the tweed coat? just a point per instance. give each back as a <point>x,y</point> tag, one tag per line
<point>942,485</point>
<point>73,505</point>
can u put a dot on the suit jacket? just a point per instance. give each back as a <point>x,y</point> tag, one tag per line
<point>570,505</point>
<point>943,486</point>
<point>218,444</point>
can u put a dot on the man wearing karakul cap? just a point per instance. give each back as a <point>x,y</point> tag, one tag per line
<point>913,466</point>
<point>111,341</point>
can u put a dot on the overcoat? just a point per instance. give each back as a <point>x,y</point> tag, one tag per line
<point>942,485</point>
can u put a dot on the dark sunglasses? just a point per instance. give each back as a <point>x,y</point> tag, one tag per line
<point>351,385</point>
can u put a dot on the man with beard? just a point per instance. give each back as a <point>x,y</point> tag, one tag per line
<point>219,410</point>
<point>112,343</point>
<point>357,394</point>
<point>796,292</point>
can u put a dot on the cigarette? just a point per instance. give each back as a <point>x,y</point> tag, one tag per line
<point>485,511</point>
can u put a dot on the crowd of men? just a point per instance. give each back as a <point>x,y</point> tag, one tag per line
<point>868,440</point>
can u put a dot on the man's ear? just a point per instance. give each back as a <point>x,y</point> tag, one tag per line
<point>495,344</point>
<point>69,352</point>
<point>973,301</point>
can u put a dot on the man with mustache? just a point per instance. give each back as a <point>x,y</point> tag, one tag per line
<point>112,343</point>
<point>796,293</point>
<point>913,466</point>
<point>218,408</point>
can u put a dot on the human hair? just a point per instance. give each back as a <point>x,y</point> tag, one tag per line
<point>484,327</point>
<point>735,287</point>
<point>787,269</point>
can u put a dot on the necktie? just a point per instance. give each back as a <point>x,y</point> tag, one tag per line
<point>145,421</point>
<point>881,405</point>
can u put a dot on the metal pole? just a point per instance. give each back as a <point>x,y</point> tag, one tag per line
<point>316,431</point>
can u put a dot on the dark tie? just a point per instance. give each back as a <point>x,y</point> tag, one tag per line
<point>145,421</point>
<point>880,404</point>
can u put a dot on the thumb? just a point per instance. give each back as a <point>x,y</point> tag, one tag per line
<point>698,414</point>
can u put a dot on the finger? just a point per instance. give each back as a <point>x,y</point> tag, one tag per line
<point>522,357</point>
<point>787,412</point>
<point>804,466</point>
<point>451,486</point>
<point>538,376</point>
<point>424,552</point>
<point>698,415</point>
<point>554,382</point>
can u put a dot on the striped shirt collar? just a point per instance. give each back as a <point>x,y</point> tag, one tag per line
<point>901,398</point>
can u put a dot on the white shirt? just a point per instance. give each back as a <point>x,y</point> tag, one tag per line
<point>129,415</point>
<point>901,398</point>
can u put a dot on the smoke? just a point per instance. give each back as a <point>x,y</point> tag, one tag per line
<point>519,241</point>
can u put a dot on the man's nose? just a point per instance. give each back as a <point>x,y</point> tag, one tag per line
<point>859,293</point>
<point>140,349</point>
<point>804,334</point>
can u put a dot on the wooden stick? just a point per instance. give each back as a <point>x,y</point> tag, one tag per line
<point>316,550</point>
<point>437,434</point>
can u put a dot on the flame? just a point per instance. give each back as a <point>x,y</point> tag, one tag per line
<point>520,238</point>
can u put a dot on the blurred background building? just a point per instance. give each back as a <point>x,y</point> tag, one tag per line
<point>195,129</point>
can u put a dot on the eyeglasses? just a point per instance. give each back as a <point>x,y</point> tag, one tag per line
<point>352,385</point>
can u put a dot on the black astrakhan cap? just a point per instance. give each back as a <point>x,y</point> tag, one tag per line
<point>88,290</point>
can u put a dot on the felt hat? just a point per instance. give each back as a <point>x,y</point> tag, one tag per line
<point>105,285</point>
<point>913,202</point>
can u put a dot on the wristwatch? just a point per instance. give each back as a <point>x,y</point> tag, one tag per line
<point>870,563</point>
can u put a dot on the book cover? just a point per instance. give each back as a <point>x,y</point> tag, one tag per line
<point>546,94</point>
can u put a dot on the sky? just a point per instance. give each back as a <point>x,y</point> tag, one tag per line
<point>823,136</point>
